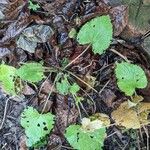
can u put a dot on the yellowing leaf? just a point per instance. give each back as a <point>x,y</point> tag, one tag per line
<point>126,117</point>
<point>102,117</point>
<point>88,125</point>
<point>130,77</point>
<point>132,117</point>
<point>143,106</point>
<point>97,32</point>
<point>143,112</point>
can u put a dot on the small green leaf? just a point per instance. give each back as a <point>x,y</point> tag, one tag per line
<point>31,72</point>
<point>130,77</point>
<point>72,33</point>
<point>7,75</point>
<point>32,6</point>
<point>63,86</point>
<point>74,88</point>
<point>97,32</point>
<point>81,140</point>
<point>36,126</point>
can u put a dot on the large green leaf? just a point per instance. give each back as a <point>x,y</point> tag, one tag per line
<point>130,77</point>
<point>31,72</point>
<point>82,140</point>
<point>36,126</point>
<point>97,32</point>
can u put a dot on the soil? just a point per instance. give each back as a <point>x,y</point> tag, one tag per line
<point>62,16</point>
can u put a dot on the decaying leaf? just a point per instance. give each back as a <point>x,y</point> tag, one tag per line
<point>126,117</point>
<point>32,35</point>
<point>132,117</point>
<point>102,117</point>
<point>16,27</point>
<point>120,15</point>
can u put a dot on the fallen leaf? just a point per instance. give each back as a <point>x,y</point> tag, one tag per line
<point>120,18</point>
<point>32,35</point>
<point>126,117</point>
<point>16,27</point>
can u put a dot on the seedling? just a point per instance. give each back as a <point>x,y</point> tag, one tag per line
<point>129,77</point>
<point>36,126</point>
<point>30,72</point>
<point>97,32</point>
<point>32,6</point>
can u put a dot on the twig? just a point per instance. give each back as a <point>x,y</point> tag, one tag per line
<point>5,111</point>
<point>56,78</point>
<point>119,54</point>
<point>94,105</point>
<point>77,57</point>
<point>82,81</point>
<point>147,135</point>
<point>104,87</point>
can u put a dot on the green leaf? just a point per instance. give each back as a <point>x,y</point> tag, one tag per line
<point>130,77</point>
<point>63,86</point>
<point>74,88</point>
<point>81,140</point>
<point>72,33</point>
<point>31,72</point>
<point>32,6</point>
<point>36,126</point>
<point>97,32</point>
<point>7,75</point>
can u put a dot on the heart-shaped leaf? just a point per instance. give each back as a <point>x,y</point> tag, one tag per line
<point>7,74</point>
<point>97,32</point>
<point>36,126</point>
<point>130,77</point>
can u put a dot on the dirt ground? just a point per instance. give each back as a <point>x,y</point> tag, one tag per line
<point>62,16</point>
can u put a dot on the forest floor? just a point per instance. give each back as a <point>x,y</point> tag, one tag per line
<point>94,73</point>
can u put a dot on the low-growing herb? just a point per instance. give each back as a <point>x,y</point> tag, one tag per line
<point>36,126</point>
<point>88,136</point>
<point>33,6</point>
<point>30,72</point>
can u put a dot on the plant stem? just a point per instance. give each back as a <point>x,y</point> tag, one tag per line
<point>77,57</point>
<point>56,79</point>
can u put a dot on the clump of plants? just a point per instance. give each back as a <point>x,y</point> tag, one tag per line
<point>91,132</point>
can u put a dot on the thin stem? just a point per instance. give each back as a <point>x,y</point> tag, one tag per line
<point>77,57</point>
<point>119,54</point>
<point>82,81</point>
<point>56,79</point>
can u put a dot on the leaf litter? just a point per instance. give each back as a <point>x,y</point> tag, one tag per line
<point>26,33</point>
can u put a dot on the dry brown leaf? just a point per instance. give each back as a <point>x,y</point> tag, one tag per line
<point>143,112</point>
<point>126,117</point>
<point>143,106</point>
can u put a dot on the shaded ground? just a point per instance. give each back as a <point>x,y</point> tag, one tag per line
<point>62,16</point>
